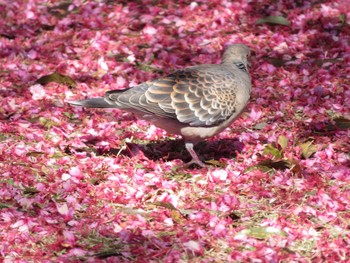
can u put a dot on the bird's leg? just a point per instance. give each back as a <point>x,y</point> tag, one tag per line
<point>195,159</point>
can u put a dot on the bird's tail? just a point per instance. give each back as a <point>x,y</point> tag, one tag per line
<point>93,103</point>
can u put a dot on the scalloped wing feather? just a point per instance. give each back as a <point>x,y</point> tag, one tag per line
<point>193,96</point>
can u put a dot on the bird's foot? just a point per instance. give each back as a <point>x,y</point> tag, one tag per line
<point>195,158</point>
<point>195,162</point>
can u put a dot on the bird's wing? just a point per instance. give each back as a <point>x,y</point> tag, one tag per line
<point>195,96</point>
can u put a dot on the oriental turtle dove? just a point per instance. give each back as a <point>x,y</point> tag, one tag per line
<point>195,102</point>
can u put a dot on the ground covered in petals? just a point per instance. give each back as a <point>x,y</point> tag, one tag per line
<point>96,185</point>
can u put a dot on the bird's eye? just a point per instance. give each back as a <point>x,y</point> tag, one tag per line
<point>240,65</point>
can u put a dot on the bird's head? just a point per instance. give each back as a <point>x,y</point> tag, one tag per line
<point>236,53</point>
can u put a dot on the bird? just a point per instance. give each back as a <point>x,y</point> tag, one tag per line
<point>196,102</point>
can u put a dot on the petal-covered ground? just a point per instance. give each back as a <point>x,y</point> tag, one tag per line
<point>91,185</point>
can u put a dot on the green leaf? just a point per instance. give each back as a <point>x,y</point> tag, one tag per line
<point>260,126</point>
<point>308,149</point>
<point>132,211</point>
<point>10,182</point>
<point>260,232</point>
<point>270,149</point>
<point>174,213</point>
<point>47,123</point>
<point>30,191</point>
<point>278,165</point>
<point>68,114</point>
<point>283,142</point>
<point>268,165</point>
<point>147,67</point>
<point>165,205</point>
<point>176,216</point>
<point>57,78</point>
<point>4,205</point>
<point>216,163</point>
<point>342,19</point>
<point>273,20</point>
<point>139,166</point>
<point>262,168</point>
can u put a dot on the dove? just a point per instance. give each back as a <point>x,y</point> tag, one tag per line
<point>196,102</point>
